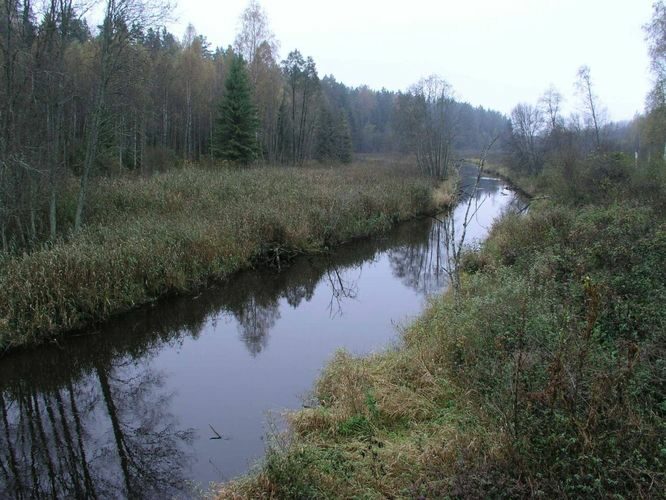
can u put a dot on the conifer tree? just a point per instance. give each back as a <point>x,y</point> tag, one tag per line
<point>237,123</point>
<point>343,139</point>
<point>326,148</point>
<point>333,137</point>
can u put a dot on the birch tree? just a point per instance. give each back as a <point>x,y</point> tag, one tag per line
<point>527,129</point>
<point>590,103</point>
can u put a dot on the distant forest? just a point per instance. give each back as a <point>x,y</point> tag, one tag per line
<point>77,102</point>
<point>162,92</point>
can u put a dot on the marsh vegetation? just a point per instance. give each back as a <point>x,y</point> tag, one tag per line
<point>156,191</point>
<point>175,232</point>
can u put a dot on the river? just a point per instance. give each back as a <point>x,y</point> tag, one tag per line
<point>163,400</point>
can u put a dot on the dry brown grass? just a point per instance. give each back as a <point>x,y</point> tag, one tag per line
<point>387,426</point>
<point>174,232</point>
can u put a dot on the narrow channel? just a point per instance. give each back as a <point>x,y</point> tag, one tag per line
<point>168,398</point>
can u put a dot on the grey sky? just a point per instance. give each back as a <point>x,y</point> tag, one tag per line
<point>494,53</point>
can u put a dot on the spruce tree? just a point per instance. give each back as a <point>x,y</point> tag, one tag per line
<point>237,123</point>
<point>334,142</point>
<point>343,139</point>
<point>325,150</point>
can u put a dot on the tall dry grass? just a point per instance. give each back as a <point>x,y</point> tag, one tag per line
<point>171,233</point>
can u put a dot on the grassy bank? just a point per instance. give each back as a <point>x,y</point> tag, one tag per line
<point>546,379</point>
<point>174,232</point>
<point>526,185</point>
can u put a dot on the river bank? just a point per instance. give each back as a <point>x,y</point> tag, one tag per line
<point>175,232</point>
<point>525,185</point>
<point>542,378</point>
<point>153,383</point>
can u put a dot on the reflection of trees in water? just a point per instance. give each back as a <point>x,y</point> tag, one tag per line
<point>93,420</point>
<point>256,304</point>
<point>253,298</point>
<point>255,320</point>
<point>516,205</point>
<point>147,438</point>
<point>341,287</point>
<point>487,185</point>
<point>422,262</point>
<point>107,435</point>
<point>296,294</point>
<point>419,263</point>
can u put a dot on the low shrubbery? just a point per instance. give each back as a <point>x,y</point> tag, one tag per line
<point>547,377</point>
<point>175,231</point>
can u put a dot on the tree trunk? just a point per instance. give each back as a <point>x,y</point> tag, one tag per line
<point>117,430</point>
<point>91,152</point>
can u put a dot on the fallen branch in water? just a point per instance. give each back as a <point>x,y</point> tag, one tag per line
<point>217,434</point>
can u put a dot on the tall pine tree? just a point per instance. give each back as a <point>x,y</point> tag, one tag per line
<point>237,123</point>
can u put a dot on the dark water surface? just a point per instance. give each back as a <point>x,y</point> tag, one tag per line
<point>129,410</point>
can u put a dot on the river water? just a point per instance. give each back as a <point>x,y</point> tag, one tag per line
<point>163,400</point>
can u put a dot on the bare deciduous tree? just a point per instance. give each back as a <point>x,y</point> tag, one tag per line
<point>527,126</point>
<point>429,124</point>
<point>550,104</point>
<point>590,102</point>
<point>116,33</point>
<point>253,32</point>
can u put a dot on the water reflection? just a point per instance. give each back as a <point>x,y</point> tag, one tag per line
<point>342,287</point>
<point>423,263</point>
<point>418,264</point>
<point>112,413</point>
<point>253,298</point>
<point>108,433</point>
<point>255,320</point>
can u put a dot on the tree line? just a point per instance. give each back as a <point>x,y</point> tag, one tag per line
<point>78,102</point>
<point>129,96</point>
<point>540,134</point>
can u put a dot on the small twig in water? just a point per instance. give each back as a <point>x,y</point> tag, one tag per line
<point>57,344</point>
<point>217,434</point>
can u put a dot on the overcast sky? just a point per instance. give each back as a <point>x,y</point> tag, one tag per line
<point>495,53</point>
